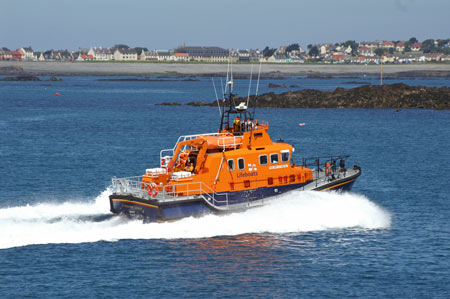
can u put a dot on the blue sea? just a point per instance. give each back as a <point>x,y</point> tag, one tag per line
<point>388,238</point>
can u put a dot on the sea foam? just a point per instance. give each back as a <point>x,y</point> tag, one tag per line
<point>294,212</point>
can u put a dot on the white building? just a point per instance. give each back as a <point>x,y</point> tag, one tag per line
<point>102,54</point>
<point>125,54</point>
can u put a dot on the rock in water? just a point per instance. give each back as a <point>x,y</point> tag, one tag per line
<point>368,96</point>
<point>21,78</point>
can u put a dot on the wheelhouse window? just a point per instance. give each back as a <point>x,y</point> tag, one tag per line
<point>263,160</point>
<point>285,156</point>
<point>241,163</point>
<point>274,158</point>
<point>231,165</point>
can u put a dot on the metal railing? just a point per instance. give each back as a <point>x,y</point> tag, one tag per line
<point>169,152</point>
<point>136,187</point>
<point>318,165</point>
<point>234,142</point>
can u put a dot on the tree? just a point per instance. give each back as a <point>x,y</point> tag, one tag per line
<point>428,46</point>
<point>413,40</point>
<point>293,47</point>
<point>139,49</point>
<point>267,52</point>
<point>314,51</point>
<point>442,43</point>
<point>391,50</point>
<point>379,51</point>
<point>353,45</point>
<point>121,46</point>
<point>180,49</point>
<point>6,49</point>
<point>407,47</point>
<point>309,46</point>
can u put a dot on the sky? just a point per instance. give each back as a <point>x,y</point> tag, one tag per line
<point>238,24</point>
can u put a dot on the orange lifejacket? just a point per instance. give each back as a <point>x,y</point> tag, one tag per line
<point>328,168</point>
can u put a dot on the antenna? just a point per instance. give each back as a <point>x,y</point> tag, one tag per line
<point>257,88</point>
<point>250,84</point>
<point>226,79</point>
<point>217,98</point>
<point>231,69</point>
<point>223,90</point>
<point>259,74</point>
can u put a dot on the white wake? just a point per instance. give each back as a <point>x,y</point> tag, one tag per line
<point>294,212</point>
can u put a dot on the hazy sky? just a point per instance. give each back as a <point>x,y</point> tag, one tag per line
<point>61,24</point>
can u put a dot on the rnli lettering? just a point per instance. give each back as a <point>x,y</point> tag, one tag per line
<point>132,207</point>
<point>278,166</point>
<point>247,174</point>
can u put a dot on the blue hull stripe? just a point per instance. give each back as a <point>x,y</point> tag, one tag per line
<point>153,211</point>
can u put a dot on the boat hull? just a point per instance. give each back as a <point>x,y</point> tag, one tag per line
<point>157,211</point>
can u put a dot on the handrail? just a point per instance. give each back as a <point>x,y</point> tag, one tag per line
<point>136,187</point>
<point>184,138</point>
<point>316,160</point>
<point>319,164</point>
<point>235,143</point>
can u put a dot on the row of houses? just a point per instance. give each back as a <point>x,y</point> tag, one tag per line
<point>364,52</point>
<point>390,58</point>
<point>201,54</point>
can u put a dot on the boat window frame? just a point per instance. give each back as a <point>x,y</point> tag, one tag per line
<point>267,159</point>
<point>228,164</point>
<point>278,158</point>
<point>285,152</point>
<point>243,163</point>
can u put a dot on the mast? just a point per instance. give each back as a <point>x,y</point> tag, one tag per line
<point>240,109</point>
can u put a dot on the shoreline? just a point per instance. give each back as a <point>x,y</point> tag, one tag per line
<point>210,69</point>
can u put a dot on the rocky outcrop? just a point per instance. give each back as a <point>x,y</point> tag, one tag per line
<point>21,78</point>
<point>27,77</point>
<point>272,85</point>
<point>367,96</point>
<point>169,104</point>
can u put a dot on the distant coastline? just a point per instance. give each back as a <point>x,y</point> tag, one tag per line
<point>211,69</point>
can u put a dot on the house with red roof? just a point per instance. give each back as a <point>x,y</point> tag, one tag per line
<point>400,46</point>
<point>180,57</point>
<point>388,45</point>
<point>85,57</point>
<point>338,57</point>
<point>416,47</point>
<point>17,55</point>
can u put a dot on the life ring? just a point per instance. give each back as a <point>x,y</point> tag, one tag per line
<point>149,190</point>
<point>152,190</point>
<point>155,190</point>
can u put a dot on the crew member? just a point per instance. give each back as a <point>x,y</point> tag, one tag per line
<point>333,165</point>
<point>237,124</point>
<point>342,167</point>
<point>189,167</point>
<point>327,169</point>
<point>250,124</point>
